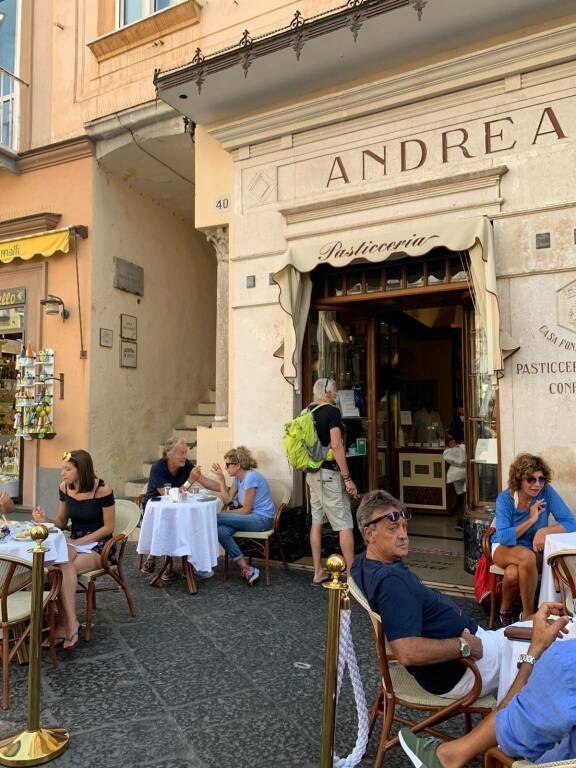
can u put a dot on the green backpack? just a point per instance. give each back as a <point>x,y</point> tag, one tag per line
<point>304,450</point>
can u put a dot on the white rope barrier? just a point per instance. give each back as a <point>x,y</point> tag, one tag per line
<point>347,658</point>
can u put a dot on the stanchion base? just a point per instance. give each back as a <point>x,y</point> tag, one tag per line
<point>33,747</point>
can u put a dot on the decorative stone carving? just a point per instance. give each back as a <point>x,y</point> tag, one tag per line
<point>261,187</point>
<point>566,298</point>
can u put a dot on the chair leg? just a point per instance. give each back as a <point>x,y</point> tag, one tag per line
<point>124,587</point>
<point>375,711</point>
<point>5,667</point>
<point>283,556</point>
<point>267,561</point>
<point>226,566</point>
<point>492,602</point>
<point>389,708</point>
<point>140,562</point>
<point>467,722</point>
<point>89,610</point>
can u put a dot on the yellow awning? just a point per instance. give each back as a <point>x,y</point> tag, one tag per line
<point>43,244</point>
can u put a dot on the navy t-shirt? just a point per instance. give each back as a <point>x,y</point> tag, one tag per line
<point>409,609</point>
<point>160,475</point>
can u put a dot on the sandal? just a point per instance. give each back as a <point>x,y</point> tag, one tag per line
<point>72,641</point>
<point>325,577</point>
<point>506,618</point>
<point>58,640</point>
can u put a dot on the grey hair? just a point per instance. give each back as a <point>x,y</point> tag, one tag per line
<point>321,386</point>
<point>170,444</point>
<point>373,501</point>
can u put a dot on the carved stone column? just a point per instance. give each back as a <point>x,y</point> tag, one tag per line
<point>218,237</point>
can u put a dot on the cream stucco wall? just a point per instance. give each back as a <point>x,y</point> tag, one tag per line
<point>525,122</point>
<point>133,411</point>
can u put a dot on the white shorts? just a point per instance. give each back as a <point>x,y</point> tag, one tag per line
<point>494,548</point>
<point>493,642</point>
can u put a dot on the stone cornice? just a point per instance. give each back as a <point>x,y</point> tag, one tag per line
<point>395,194</point>
<point>538,51</point>
<point>55,154</point>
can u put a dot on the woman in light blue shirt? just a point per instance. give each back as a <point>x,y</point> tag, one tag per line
<point>522,524</point>
<point>256,510</point>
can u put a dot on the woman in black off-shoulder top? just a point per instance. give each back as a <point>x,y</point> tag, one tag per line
<point>89,504</point>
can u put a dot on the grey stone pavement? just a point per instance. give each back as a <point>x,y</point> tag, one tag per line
<point>232,676</point>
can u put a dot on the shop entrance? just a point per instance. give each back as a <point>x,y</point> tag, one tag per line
<point>402,342</point>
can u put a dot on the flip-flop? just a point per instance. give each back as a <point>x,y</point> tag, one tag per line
<point>70,639</point>
<point>58,640</point>
<point>322,581</point>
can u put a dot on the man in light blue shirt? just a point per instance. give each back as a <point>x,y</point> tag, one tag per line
<point>537,718</point>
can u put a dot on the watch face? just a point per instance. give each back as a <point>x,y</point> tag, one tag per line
<point>464,648</point>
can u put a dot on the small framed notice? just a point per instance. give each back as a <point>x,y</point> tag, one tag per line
<point>128,327</point>
<point>128,354</point>
<point>106,337</point>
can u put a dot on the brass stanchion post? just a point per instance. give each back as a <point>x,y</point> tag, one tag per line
<point>336,592</point>
<point>35,745</point>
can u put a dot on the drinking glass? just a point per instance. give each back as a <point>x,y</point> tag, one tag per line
<point>167,487</point>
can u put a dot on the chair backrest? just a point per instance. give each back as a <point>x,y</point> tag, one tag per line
<point>280,493</point>
<point>127,517</point>
<point>15,574</point>
<point>382,648</point>
<point>563,564</point>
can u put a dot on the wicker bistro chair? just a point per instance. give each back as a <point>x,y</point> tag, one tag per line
<point>258,543</point>
<point>15,607</point>
<point>563,564</point>
<point>398,688</point>
<point>495,758</point>
<point>127,518</point>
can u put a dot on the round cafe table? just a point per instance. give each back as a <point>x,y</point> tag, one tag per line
<point>186,529</point>
<point>554,542</point>
<point>56,544</point>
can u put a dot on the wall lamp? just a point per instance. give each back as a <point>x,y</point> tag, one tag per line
<point>52,306</point>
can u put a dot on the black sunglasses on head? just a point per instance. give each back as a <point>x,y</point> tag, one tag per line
<point>393,516</point>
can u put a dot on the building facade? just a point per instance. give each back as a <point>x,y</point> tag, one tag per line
<point>402,218</point>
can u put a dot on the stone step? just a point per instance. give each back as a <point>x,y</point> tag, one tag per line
<point>135,486</point>
<point>197,420</point>
<point>206,409</point>
<point>185,432</point>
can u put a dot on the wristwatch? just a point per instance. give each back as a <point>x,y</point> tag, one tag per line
<point>464,648</point>
<point>526,658</point>
<point>187,485</point>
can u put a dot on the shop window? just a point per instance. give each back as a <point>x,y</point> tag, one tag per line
<point>394,278</point>
<point>336,285</point>
<point>458,271</point>
<point>482,425</point>
<point>374,281</point>
<point>436,272</point>
<point>130,11</point>
<point>354,283</point>
<point>415,275</point>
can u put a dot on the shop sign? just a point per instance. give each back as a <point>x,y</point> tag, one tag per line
<point>12,296</point>
<point>128,277</point>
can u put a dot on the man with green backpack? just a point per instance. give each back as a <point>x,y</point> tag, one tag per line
<point>314,443</point>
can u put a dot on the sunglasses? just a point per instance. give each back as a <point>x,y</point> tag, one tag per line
<point>230,464</point>
<point>393,516</point>
<point>66,456</point>
<point>536,480</point>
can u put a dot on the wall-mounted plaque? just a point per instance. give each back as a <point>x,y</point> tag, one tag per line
<point>128,327</point>
<point>128,276</point>
<point>106,337</point>
<point>12,296</point>
<point>128,354</point>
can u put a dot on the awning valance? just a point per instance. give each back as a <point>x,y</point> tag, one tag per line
<point>42,244</point>
<point>377,244</point>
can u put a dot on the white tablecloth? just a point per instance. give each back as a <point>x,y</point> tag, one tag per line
<point>182,529</point>
<point>512,650</point>
<point>553,543</point>
<point>56,544</point>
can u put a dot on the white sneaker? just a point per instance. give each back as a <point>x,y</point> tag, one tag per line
<point>251,575</point>
<point>204,574</point>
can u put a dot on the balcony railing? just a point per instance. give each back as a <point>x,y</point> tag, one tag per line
<point>9,110</point>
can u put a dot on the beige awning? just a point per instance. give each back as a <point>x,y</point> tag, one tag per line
<point>377,244</point>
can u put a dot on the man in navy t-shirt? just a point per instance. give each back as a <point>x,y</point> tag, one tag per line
<point>176,470</point>
<point>426,631</point>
